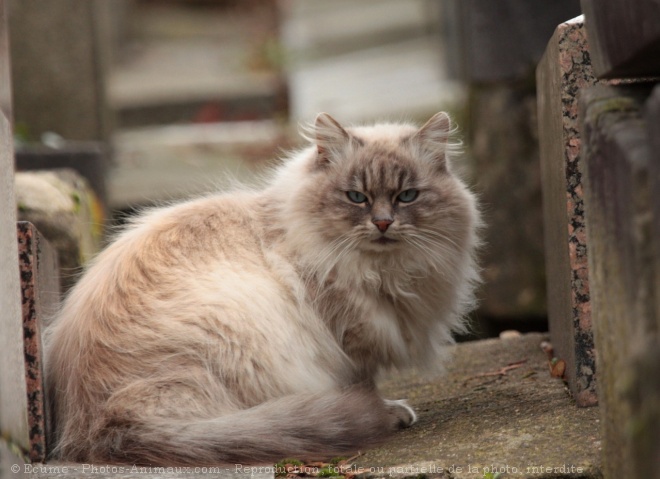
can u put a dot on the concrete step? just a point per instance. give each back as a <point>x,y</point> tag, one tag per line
<point>497,409</point>
<point>156,164</point>
<point>187,64</point>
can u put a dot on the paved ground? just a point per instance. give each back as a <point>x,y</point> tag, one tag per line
<point>523,422</point>
<point>472,421</point>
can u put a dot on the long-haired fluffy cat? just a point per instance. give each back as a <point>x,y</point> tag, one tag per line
<point>249,326</point>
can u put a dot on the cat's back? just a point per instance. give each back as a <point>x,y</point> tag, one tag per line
<point>212,225</point>
<point>161,263</point>
<point>186,237</point>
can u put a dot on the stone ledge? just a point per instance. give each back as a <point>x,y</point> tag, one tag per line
<point>40,290</point>
<point>472,418</point>
<point>164,163</point>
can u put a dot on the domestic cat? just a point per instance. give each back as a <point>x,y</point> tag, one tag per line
<point>250,325</point>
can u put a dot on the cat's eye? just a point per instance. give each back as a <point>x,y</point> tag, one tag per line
<point>356,196</point>
<point>408,195</point>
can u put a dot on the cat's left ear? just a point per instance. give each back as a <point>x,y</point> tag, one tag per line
<point>433,137</point>
<point>330,137</point>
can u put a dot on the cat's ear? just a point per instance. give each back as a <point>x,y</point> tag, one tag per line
<point>330,136</point>
<point>433,137</point>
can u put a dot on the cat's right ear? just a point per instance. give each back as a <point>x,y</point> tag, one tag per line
<point>434,136</point>
<point>330,137</point>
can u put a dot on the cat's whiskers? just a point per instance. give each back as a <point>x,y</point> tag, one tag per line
<point>438,254</point>
<point>419,245</point>
<point>438,240</point>
<point>327,253</point>
<point>441,236</point>
<point>440,250</point>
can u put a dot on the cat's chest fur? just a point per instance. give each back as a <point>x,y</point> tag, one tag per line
<point>368,320</point>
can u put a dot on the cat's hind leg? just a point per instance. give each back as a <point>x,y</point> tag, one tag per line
<point>403,414</point>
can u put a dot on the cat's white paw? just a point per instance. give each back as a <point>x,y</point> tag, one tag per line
<point>404,415</point>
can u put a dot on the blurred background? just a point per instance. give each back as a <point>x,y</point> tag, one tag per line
<point>155,100</point>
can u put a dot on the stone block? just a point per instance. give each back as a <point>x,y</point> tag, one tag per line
<point>13,396</point>
<point>183,64</point>
<point>89,159</point>
<point>58,69</point>
<point>653,127</point>
<point>506,165</point>
<point>623,254</point>
<point>40,297</point>
<point>644,426</point>
<point>624,37</point>
<point>66,211</point>
<point>503,40</point>
<point>645,392</point>
<point>563,72</point>
<point>165,163</point>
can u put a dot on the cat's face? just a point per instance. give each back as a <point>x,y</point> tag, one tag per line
<point>386,188</point>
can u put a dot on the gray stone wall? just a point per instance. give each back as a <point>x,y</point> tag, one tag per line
<point>600,159</point>
<point>620,127</point>
<point>13,396</point>
<point>622,208</point>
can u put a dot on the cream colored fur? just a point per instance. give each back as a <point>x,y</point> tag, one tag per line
<point>250,325</point>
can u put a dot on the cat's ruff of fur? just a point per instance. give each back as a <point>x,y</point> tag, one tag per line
<point>248,326</point>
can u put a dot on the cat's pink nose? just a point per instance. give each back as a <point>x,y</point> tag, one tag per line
<point>382,224</point>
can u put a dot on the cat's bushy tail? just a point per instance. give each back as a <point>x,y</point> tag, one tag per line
<point>303,426</point>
